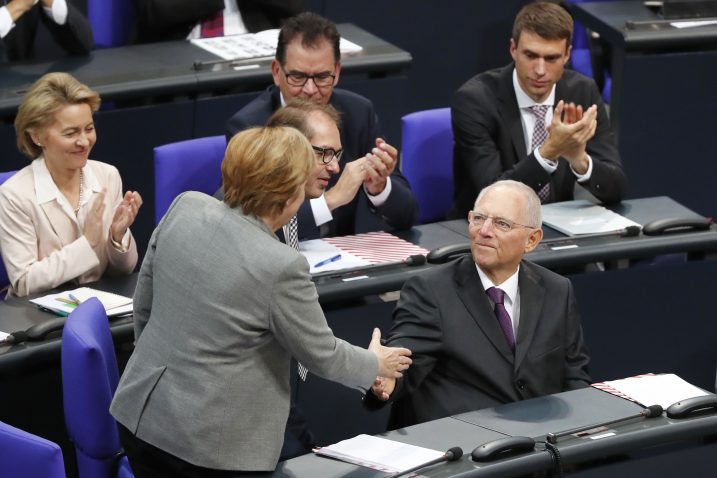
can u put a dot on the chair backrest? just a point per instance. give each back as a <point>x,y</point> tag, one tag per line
<point>427,161</point>
<point>4,282</point>
<point>25,454</point>
<point>111,21</point>
<point>89,381</point>
<point>192,165</point>
<point>581,56</point>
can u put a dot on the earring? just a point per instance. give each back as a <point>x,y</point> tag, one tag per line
<point>39,145</point>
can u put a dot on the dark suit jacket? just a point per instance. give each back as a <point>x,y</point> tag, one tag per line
<point>162,20</point>
<point>359,130</point>
<point>75,36</point>
<point>461,359</point>
<point>489,141</point>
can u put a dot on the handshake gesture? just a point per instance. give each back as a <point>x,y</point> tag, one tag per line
<point>391,362</point>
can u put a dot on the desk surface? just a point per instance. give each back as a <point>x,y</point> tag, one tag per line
<point>535,418</point>
<point>140,71</point>
<point>609,19</point>
<point>584,250</point>
<point>19,314</point>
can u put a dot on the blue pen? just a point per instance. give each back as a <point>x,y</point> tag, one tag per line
<point>328,261</point>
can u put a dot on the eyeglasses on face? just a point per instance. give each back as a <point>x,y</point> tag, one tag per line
<point>297,78</point>
<point>327,154</point>
<point>506,225</point>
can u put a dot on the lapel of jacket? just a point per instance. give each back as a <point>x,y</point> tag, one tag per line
<point>532,295</point>
<point>511,113</point>
<point>474,298</point>
<point>65,228</point>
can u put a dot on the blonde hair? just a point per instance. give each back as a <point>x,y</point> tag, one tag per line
<point>45,98</point>
<point>263,169</point>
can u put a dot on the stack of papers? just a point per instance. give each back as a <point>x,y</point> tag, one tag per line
<point>65,302</point>
<point>379,453</point>
<point>649,389</point>
<point>335,253</point>
<point>254,45</point>
<point>583,217</point>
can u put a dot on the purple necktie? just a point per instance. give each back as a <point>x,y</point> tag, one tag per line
<point>497,295</point>
<point>539,137</point>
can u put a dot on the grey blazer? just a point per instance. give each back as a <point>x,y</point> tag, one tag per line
<point>220,308</point>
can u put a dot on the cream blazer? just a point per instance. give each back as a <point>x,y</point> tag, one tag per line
<point>42,243</point>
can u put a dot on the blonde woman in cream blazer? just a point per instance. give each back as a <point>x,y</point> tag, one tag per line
<point>64,217</point>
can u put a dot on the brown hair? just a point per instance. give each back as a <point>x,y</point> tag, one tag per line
<point>45,98</point>
<point>264,167</point>
<point>547,20</point>
<point>296,115</point>
<point>311,29</point>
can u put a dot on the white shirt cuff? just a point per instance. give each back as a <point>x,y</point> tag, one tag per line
<point>379,199</point>
<point>6,23</point>
<point>322,213</point>
<point>584,177</point>
<point>58,12</point>
<point>548,166</point>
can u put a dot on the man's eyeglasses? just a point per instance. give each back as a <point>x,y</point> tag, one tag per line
<point>296,78</point>
<point>327,154</point>
<point>502,224</point>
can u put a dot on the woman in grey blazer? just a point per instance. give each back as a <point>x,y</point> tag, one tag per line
<point>220,308</point>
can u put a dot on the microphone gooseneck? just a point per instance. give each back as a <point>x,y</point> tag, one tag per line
<point>652,411</point>
<point>452,454</point>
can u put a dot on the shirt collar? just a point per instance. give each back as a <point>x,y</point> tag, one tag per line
<point>509,286</point>
<point>525,101</point>
<point>46,189</point>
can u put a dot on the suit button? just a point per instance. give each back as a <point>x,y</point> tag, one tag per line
<point>520,384</point>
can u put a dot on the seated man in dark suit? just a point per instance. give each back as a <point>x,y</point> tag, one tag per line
<point>162,20</point>
<point>19,20</point>
<point>370,193</point>
<point>505,127</point>
<point>489,328</point>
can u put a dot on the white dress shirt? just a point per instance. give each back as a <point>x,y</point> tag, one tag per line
<point>528,119</point>
<point>58,14</point>
<point>511,300</point>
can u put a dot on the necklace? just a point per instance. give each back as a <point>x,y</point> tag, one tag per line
<point>82,190</point>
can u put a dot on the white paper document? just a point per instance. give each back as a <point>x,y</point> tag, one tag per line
<point>663,390</point>
<point>379,453</point>
<point>693,23</point>
<point>583,217</point>
<point>321,257</point>
<point>64,303</point>
<point>254,45</point>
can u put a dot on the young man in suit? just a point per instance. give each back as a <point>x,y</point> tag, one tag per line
<point>489,328</point>
<point>369,193</point>
<point>505,127</point>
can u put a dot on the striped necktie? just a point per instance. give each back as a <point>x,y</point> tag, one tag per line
<point>539,136</point>
<point>292,240</point>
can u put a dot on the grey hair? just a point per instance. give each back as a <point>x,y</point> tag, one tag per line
<point>533,214</point>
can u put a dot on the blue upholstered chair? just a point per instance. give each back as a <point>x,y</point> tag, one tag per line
<point>4,282</point>
<point>192,165</point>
<point>581,56</point>
<point>89,381</point>
<point>111,21</point>
<point>23,454</point>
<point>427,161</point>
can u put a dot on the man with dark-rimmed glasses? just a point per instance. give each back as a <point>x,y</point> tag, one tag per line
<point>369,193</point>
<point>489,328</point>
